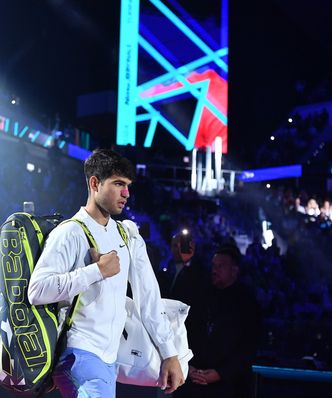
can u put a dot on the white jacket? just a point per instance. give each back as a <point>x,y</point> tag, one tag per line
<point>64,270</point>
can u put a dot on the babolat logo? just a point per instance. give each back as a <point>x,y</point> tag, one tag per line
<point>23,324</point>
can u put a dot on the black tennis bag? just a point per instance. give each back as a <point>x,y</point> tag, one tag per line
<point>28,333</point>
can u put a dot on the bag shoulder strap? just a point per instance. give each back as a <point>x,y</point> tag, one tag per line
<point>93,244</point>
<point>88,234</point>
<point>123,233</point>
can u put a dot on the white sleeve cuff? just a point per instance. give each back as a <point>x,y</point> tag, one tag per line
<point>167,350</point>
<point>91,274</point>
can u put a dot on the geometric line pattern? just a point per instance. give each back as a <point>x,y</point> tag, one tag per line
<point>138,103</point>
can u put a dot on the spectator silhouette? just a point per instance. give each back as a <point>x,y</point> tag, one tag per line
<point>223,333</point>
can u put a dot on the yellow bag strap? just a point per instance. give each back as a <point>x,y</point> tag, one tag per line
<point>122,233</point>
<point>93,244</point>
<point>91,239</point>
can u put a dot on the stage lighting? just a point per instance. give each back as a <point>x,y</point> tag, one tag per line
<point>30,167</point>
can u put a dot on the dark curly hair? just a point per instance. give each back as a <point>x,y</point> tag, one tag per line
<point>105,163</point>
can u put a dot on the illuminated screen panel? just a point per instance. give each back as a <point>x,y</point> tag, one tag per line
<point>271,173</point>
<point>19,127</point>
<point>173,73</point>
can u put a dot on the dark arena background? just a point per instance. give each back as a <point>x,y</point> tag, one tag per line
<point>225,109</point>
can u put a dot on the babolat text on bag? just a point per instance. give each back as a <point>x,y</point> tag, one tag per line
<point>28,333</point>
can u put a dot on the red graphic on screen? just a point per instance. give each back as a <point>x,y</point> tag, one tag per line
<point>210,126</point>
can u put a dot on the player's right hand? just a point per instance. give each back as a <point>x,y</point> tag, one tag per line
<point>109,263</point>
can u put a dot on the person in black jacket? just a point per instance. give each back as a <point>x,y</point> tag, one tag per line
<point>223,334</point>
<point>184,274</point>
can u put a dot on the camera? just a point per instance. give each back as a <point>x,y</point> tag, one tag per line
<point>185,240</point>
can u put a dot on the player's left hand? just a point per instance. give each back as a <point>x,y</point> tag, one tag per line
<point>171,376</point>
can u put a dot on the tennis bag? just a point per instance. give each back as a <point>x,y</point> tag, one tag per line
<point>29,334</point>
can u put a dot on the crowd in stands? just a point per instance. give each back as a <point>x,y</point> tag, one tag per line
<point>293,285</point>
<point>318,92</point>
<point>296,140</point>
<point>303,220</point>
<point>292,278</point>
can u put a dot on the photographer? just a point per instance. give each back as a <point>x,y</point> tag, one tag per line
<point>184,276</point>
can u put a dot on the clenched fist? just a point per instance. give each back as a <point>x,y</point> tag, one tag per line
<point>109,263</point>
